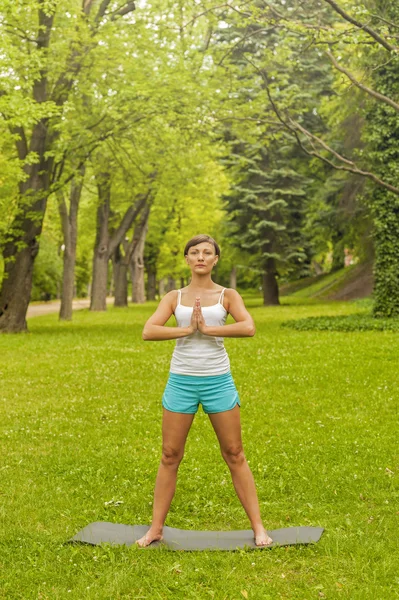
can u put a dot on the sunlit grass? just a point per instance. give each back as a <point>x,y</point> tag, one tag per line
<point>80,407</point>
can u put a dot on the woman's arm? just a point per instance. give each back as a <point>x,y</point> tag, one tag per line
<point>155,330</point>
<point>244,325</point>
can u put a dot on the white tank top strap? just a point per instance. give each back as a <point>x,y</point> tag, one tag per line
<point>178,297</point>
<point>221,297</point>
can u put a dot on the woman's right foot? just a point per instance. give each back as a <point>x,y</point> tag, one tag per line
<point>152,535</point>
<point>262,539</point>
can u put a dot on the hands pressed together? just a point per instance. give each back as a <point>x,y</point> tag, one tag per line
<point>197,318</point>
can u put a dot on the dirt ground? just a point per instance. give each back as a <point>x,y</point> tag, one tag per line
<point>35,310</point>
<point>359,285</point>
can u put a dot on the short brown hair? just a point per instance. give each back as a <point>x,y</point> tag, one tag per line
<point>198,239</point>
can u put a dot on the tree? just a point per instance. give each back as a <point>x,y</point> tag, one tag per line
<point>376,56</point>
<point>382,137</point>
<point>269,196</point>
<point>267,208</point>
<point>69,224</point>
<point>106,242</point>
<point>44,70</point>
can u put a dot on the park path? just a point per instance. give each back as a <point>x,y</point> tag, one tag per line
<point>35,310</point>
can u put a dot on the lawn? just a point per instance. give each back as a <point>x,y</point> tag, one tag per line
<point>80,442</point>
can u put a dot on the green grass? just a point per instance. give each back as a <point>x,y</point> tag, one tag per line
<point>80,427</point>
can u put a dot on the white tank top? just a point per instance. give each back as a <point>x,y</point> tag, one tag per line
<point>199,354</point>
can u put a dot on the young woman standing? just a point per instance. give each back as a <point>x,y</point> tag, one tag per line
<point>200,374</point>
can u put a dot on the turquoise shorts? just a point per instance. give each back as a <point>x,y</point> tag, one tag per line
<point>184,393</point>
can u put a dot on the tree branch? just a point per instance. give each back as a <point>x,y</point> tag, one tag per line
<point>361,86</point>
<point>275,11</point>
<point>385,21</point>
<point>207,39</point>
<point>315,138</point>
<point>124,10</point>
<point>128,218</point>
<point>372,32</point>
<point>352,169</point>
<point>14,31</point>
<point>102,10</point>
<point>243,14</point>
<point>205,12</point>
<point>87,6</point>
<point>294,127</point>
<point>134,244</point>
<point>243,39</point>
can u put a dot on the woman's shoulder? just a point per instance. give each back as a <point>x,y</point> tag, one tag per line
<point>170,297</point>
<point>231,293</point>
<point>231,297</point>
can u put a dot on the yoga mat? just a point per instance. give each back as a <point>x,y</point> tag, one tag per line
<point>180,539</point>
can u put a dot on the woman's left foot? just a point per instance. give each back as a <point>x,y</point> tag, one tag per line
<point>262,538</point>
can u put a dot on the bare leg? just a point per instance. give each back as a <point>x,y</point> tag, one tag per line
<point>175,428</point>
<point>227,427</point>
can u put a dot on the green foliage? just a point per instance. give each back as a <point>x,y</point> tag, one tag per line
<point>382,135</point>
<point>82,276</point>
<point>356,322</point>
<point>173,98</point>
<point>386,289</point>
<point>267,209</point>
<point>47,273</point>
<point>267,200</point>
<point>307,89</point>
<point>187,202</point>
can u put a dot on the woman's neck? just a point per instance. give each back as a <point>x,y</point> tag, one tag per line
<point>203,283</point>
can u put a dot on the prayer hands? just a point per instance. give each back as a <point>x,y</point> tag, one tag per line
<point>197,318</point>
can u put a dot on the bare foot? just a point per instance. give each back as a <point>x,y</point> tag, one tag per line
<point>262,538</point>
<point>149,537</point>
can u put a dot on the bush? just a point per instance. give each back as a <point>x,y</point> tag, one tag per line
<point>356,322</point>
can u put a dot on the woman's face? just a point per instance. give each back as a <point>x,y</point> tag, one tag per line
<point>201,258</point>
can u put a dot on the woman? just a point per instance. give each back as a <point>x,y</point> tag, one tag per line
<point>200,373</point>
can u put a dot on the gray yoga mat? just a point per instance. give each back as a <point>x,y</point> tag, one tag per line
<point>180,539</point>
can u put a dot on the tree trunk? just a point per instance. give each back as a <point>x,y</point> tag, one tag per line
<point>19,255</point>
<point>120,270</point>
<point>16,289</point>
<point>98,299</point>
<point>21,250</point>
<point>105,244</point>
<point>162,287</point>
<point>171,284</point>
<point>233,278</point>
<point>137,275</point>
<point>68,280</point>
<point>270,285</point>
<point>70,230</point>
<point>137,259</point>
<point>151,282</point>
